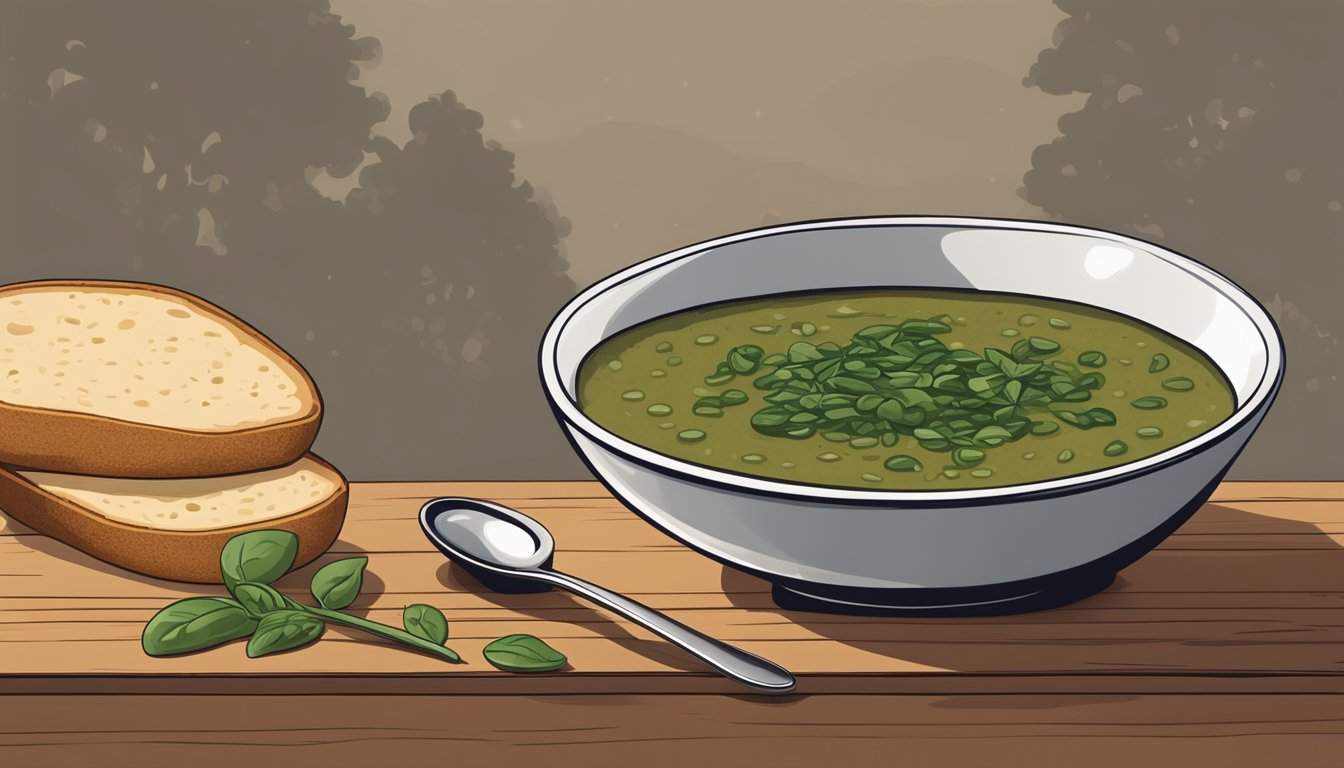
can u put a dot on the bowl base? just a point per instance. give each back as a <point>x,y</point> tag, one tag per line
<point>969,601</point>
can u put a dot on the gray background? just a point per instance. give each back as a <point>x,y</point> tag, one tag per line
<point>401,193</point>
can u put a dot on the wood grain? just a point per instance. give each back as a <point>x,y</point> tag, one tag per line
<point>1246,597</point>
<point>619,731</point>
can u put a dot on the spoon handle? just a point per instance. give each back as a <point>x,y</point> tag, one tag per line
<point>731,661</point>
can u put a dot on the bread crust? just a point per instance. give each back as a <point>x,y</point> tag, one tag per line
<point>191,556</point>
<point>83,443</point>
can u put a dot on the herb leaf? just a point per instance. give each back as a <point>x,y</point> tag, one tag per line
<point>894,380</point>
<point>259,599</point>
<point>425,622</point>
<point>523,653</point>
<point>283,631</point>
<point>1178,384</point>
<point>337,584</point>
<point>257,556</point>
<point>195,624</point>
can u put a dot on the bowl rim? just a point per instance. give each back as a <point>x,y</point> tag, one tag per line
<point>567,411</point>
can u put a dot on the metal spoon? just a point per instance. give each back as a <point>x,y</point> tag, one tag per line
<point>510,552</point>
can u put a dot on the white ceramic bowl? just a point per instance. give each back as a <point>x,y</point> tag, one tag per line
<point>977,551</point>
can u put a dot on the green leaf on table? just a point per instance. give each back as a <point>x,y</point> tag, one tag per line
<point>259,599</point>
<point>257,556</point>
<point>336,585</point>
<point>283,631</point>
<point>425,622</point>
<point>249,562</point>
<point>523,653</point>
<point>195,624</point>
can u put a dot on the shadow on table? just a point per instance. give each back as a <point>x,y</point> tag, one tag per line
<point>102,571</point>
<point>557,605</point>
<point>1238,592</point>
<point>295,583</point>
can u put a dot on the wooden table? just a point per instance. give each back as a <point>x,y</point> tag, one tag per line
<point>1225,646</point>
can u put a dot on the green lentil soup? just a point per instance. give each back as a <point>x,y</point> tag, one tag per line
<point>903,389</point>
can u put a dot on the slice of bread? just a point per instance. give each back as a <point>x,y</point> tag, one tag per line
<point>138,380</point>
<point>174,529</point>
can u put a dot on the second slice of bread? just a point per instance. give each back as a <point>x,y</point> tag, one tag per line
<point>138,380</point>
<point>175,529</point>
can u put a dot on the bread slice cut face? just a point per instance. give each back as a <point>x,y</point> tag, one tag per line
<point>175,528</point>
<point>135,380</point>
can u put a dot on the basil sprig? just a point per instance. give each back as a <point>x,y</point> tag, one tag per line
<point>272,622</point>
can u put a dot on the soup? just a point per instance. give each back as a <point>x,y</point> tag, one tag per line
<point>902,389</point>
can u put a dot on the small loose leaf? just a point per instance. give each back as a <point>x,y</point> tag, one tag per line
<point>1042,347</point>
<point>1044,428</point>
<point>993,435</point>
<point>523,653</point>
<point>257,556</point>
<point>1092,417</point>
<point>195,624</point>
<point>259,599</point>
<point>337,584</point>
<point>691,435</point>
<point>732,397</point>
<point>967,457</point>
<point>1092,358</point>
<point>425,622</point>
<point>1074,419</point>
<point>711,407</point>
<point>1101,417</point>
<point>283,631</point>
<point>1090,381</point>
<point>745,359</point>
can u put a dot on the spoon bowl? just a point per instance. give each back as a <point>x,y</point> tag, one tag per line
<point>489,541</point>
